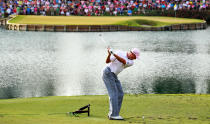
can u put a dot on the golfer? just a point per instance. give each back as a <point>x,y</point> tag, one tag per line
<point>116,62</point>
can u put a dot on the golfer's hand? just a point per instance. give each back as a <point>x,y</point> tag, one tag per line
<point>109,52</point>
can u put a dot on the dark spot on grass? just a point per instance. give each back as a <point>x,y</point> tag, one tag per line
<point>140,22</point>
<point>192,118</point>
<point>160,118</point>
<point>129,117</point>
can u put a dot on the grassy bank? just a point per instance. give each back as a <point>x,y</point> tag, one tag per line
<point>141,21</point>
<point>156,109</point>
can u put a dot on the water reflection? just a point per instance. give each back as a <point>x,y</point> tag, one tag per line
<point>36,64</point>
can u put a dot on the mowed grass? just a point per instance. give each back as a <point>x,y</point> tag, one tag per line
<point>152,21</point>
<point>147,109</point>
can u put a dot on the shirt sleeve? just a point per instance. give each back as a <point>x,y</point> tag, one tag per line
<point>128,63</point>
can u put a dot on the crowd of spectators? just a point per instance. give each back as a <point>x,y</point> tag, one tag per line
<point>96,7</point>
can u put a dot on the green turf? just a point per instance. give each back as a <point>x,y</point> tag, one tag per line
<point>141,21</point>
<point>156,109</point>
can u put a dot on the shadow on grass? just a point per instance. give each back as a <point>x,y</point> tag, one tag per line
<point>142,23</point>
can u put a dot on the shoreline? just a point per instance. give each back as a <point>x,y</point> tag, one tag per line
<point>98,28</point>
<point>103,28</point>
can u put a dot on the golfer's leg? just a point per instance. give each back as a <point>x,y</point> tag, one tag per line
<point>120,94</point>
<point>112,91</point>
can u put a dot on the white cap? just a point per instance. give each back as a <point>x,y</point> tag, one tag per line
<point>136,52</point>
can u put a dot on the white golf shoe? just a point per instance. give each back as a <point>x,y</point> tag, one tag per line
<point>116,118</point>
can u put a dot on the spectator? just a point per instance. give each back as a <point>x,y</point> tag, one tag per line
<point>68,13</point>
<point>28,11</point>
<point>9,12</point>
<point>129,12</point>
<point>51,11</point>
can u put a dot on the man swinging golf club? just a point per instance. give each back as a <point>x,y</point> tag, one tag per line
<point>116,62</point>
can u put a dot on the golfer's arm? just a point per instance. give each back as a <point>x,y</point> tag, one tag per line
<point>120,59</point>
<point>108,58</point>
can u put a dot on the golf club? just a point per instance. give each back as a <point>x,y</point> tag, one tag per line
<point>106,43</point>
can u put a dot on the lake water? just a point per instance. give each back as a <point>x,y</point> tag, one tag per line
<point>34,64</point>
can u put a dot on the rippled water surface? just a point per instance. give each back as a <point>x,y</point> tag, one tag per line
<point>36,64</point>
